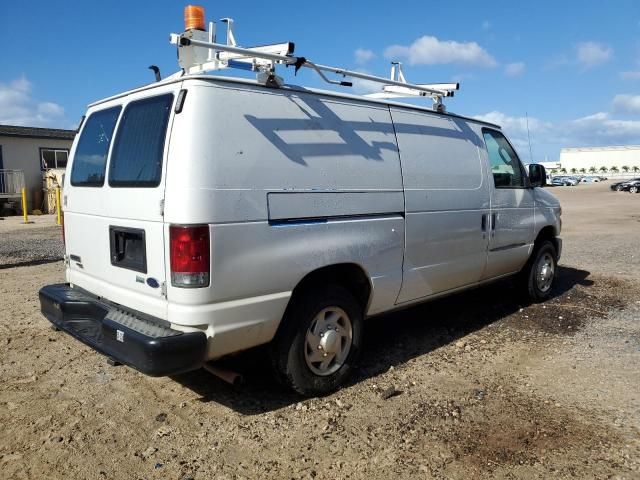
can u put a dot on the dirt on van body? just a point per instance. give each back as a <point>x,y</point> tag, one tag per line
<point>475,385</point>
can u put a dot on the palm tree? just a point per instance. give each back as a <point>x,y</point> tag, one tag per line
<point>592,170</point>
<point>583,170</point>
<point>635,169</point>
<point>625,168</point>
<point>614,169</point>
<point>553,171</point>
<point>563,170</point>
<point>574,170</point>
<point>603,169</point>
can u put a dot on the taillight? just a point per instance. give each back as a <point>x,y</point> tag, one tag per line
<point>189,249</point>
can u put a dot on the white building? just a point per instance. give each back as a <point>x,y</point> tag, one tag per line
<point>611,158</point>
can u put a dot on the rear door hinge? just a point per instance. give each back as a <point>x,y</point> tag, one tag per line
<point>162,207</point>
<point>163,289</point>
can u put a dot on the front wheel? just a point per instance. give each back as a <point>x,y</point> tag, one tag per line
<point>633,189</point>
<point>619,188</point>
<point>319,340</point>
<point>540,272</point>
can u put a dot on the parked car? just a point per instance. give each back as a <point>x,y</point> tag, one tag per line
<point>590,179</point>
<point>206,215</point>
<point>632,186</point>
<point>564,181</point>
<point>620,186</point>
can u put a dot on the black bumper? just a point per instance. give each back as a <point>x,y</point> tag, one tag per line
<point>145,343</point>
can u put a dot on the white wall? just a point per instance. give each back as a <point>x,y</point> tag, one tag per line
<point>601,157</point>
<point>20,153</point>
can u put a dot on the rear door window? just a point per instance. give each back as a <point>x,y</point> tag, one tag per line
<point>136,160</point>
<point>90,157</point>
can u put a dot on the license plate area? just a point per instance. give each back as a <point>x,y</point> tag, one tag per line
<point>128,248</point>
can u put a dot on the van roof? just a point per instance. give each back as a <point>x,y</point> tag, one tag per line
<point>294,88</point>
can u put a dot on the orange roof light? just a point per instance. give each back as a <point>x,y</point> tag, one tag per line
<point>194,17</point>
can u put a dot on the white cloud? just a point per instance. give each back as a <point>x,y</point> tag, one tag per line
<point>363,87</point>
<point>630,75</point>
<point>592,54</point>
<point>514,69</point>
<point>363,55</point>
<point>19,107</point>
<point>601,129</point>
<point>626,104</point>
<point>597,129</point>
<point>515,125</point>
<point>428,50</point>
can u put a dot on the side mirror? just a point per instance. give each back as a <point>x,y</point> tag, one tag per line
<point>537,175</point>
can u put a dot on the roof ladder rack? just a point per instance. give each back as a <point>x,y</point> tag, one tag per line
<point>199,52</point>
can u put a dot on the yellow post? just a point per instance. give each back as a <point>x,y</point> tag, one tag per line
<point>58,207</point>
<point>25,214</point>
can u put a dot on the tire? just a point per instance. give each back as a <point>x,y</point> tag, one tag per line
<point>633,189</point>
<point>322,321</point>
<point>619,188</point>
<point>540,272</point>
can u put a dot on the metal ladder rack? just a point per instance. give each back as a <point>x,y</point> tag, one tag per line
<point>198,52</point>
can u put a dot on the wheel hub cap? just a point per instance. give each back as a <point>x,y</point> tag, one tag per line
<point>328,341</point>
<point>544,272</point>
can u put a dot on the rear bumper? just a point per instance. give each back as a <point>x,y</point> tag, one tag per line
<point>147,344</point>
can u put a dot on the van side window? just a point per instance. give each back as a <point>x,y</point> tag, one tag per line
<point>136,160</point>
<point>505,165</point>
<point>90,158</point>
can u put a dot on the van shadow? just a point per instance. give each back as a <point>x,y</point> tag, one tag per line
<point>391,339</point>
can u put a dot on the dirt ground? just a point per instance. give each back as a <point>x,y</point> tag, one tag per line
<point>472,386</point>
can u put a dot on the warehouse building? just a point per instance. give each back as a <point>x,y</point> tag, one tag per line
<point>617,161</point>
<point>26,153</point>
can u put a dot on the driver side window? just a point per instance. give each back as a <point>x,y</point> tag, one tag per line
<point>505,165</point>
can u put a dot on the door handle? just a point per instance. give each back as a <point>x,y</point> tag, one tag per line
<point>493,221</point>
<point>483,224</point>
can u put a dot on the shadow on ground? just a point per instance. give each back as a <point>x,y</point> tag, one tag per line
<point>30,263</point>
<point>391,339</point>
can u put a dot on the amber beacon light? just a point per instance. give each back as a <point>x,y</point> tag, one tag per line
<point>194,17</point>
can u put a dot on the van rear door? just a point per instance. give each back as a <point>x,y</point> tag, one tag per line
<point>114,218</point>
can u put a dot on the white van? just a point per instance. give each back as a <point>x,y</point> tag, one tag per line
<point>208,215</point>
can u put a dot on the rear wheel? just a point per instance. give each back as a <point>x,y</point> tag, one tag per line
<point>320,338</point>
<point>540,272</point>
<point>633,189</point>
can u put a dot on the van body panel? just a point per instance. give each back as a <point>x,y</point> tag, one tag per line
<point>547,211</point>
<point>255,258</point>
<point>446,196</point>
<point>257,164</point>
<point>513,235</point>
<point>233,325</point>
<point>243,142</point>
<point>292,206</point>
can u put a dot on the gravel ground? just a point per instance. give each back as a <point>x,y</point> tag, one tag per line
<point>472,386</point>
<point>29,244</point>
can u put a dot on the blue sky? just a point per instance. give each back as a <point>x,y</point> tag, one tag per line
<point>572,66</point>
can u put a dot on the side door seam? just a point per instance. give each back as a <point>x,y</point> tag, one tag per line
<point>404,201</point>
